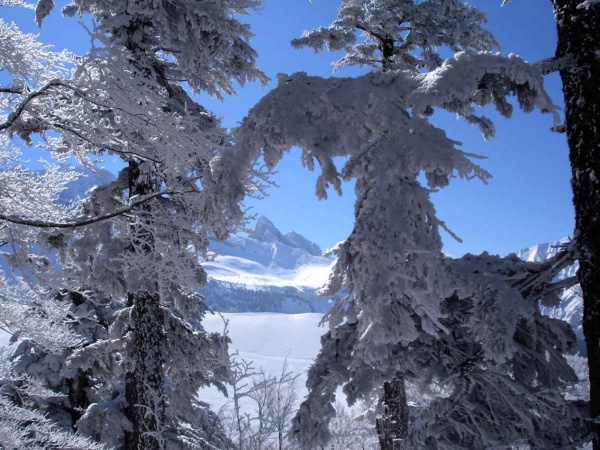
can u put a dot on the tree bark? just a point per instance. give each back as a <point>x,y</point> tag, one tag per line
<point>392,426</point>
<point>145,383</point>
<point>578,31</point>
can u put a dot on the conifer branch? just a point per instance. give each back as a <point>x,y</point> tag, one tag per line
<point>82,222</point>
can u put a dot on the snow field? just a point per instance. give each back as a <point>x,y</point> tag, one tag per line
<point>268,340</point>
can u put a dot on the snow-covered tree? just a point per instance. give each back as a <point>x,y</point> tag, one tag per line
<point>133,245</point>
<point>37,326</point>
<point>22,425</point>
<point>351,429</point>
<point>400,292</point>
<point>259,414</point>
<point>578,25</point>
<point>502,360</point>
<point>576,59</point>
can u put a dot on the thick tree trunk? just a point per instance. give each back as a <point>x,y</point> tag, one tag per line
<point>392,426</point>
<point>144,385</point>
<point>578,31</point>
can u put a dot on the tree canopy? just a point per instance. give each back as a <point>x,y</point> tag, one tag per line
<point>102,296</point>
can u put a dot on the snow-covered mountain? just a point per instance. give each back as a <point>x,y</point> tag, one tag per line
<point>265,231</point>
<point>266,271</point>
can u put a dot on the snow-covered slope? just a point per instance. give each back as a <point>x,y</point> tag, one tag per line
<point>266,271</point>
<point>268,340</point>
<point>571,307</point>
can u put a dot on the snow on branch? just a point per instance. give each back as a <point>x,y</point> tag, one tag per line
<point>551,65</point>
<point>587,4</point>
<point>218,54</point>
<point>345,117</point>
<point>24,428</point>
<point>28,61</point>
<point>341,116</point>
<point>19,3</point>
<point>27,316</point>
<point>469,80</point>
<point>133,203</point>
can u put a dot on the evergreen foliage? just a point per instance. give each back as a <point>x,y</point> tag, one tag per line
<point>100,297</point>
<point>122,267</point>
<point>403,294</point>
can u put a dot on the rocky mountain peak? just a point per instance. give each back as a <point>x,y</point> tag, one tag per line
<point>266,231</point>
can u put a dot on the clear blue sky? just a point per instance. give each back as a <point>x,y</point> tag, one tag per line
<point>527,202</point>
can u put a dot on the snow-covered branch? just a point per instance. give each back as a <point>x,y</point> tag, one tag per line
<point>553,64</point>
<point>133,203</point>
<point>29,97</point>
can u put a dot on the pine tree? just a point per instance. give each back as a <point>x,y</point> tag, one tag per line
<point>134,243</point>
<point>578,24</point>
<point>576,59</point>
<point>397,318</point>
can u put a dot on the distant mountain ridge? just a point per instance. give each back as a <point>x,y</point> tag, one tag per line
<point>265,231</point>
<point>266,271</point>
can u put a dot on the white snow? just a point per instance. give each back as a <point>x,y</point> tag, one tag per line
<point>268,259</point>
<point>269,339</point>
<point>245,270</point>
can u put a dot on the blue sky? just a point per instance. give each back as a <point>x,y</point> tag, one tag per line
<point>527,202</point>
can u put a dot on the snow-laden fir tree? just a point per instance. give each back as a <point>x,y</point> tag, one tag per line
<point>22,425</point>
<point>399,317</point>
<point>576,59</point>
<point>29,68</point>
<point>578,25</point>
<point>124,266</point>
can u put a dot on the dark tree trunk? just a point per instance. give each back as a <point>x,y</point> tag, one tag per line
<point>144,385</point>
<point>578,31</point>
<point>392,426</point>
<point>78,396</point>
